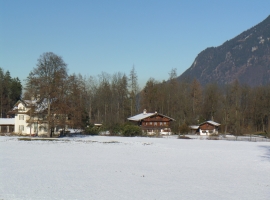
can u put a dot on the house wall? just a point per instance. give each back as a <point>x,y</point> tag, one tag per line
<point>156,125</point>
<point>22,126</point>
<point>20,120</point>
<point>156,121</point>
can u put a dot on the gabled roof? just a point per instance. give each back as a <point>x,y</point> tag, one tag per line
<point>144,115</point>
<point>210,122</point>
<point>37,104</point>
<point>26,103</point>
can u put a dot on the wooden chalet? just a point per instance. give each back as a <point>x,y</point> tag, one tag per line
<point>208,128</point>
<point>153,123</point>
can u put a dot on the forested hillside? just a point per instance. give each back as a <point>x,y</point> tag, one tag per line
<point>245,58</point>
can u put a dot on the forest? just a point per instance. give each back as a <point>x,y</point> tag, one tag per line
<point>109,99</point>
<point>10,92</point>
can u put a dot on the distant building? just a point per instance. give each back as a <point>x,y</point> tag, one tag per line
<point>205,128</point>
<point>30,118</point>
<point>209,128</point>
<point>7,125</point>
<point>194,129</point>
<point>153,123</point>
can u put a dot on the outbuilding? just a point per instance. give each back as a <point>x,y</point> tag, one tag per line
<point>7,125</point>
<point>209,128</point>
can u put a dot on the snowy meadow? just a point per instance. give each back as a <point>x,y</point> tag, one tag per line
<point>100,167</point>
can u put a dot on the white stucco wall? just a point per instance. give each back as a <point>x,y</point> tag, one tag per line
<point>208,132</point>
<point>21,120</point>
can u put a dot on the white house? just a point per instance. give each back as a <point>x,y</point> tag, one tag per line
<point>30,118</point>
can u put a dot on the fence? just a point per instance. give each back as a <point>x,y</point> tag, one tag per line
<point>251,138</point>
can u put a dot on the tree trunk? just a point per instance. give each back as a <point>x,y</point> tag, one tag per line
<point>48,118</point>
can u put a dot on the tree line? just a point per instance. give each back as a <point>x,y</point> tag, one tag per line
<point>109,99</point>
<point>240,109</point>
<point>10,92</point>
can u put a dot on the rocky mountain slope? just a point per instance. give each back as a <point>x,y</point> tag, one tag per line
<point>245,58</point>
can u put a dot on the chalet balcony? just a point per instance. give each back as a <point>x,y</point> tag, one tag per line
<point>154,127</point>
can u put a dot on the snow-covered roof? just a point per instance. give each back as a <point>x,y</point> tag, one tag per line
<point>211,122</point>
<point>193,126</point>
<point>141,116</point>
<point>144,115</point>
<point>38,104</point>
<point>7,121</point>
<point>30,102</point>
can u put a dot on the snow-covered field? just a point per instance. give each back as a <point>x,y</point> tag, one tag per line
<point>103,167</point>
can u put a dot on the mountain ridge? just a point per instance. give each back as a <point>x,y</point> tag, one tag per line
<point>245,58</point>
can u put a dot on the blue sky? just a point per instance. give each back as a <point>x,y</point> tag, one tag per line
<point>95,36</point>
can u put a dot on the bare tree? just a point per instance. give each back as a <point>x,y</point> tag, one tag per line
<point>149,95</point>
<point>91,89</point>
<point>196,97</point>
<point>211,101</point>
<point>119,101</point>
<point>134,90</point>
<point>45,79</point>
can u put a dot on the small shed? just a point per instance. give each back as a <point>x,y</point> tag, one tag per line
<point>209,128</point>
<point>194,129</point>
<point>7,125</point>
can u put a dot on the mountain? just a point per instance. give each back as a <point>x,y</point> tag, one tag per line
<point>245,58</point>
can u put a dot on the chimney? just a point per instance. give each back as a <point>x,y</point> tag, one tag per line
<point>144,111</point>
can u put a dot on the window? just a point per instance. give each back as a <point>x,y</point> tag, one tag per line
<point>155,123</point>
<point>21,117</point>
<point>150,123</point>
<point>21,127</point>
<point>160,123</point>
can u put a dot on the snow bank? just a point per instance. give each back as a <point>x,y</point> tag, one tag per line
<point>99,167</point>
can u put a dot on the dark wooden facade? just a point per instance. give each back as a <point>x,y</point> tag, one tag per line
<point>152,122</point>
<point>209,128</point>
<point>155,122</point>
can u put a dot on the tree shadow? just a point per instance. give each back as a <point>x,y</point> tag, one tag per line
<point>267,152</point>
